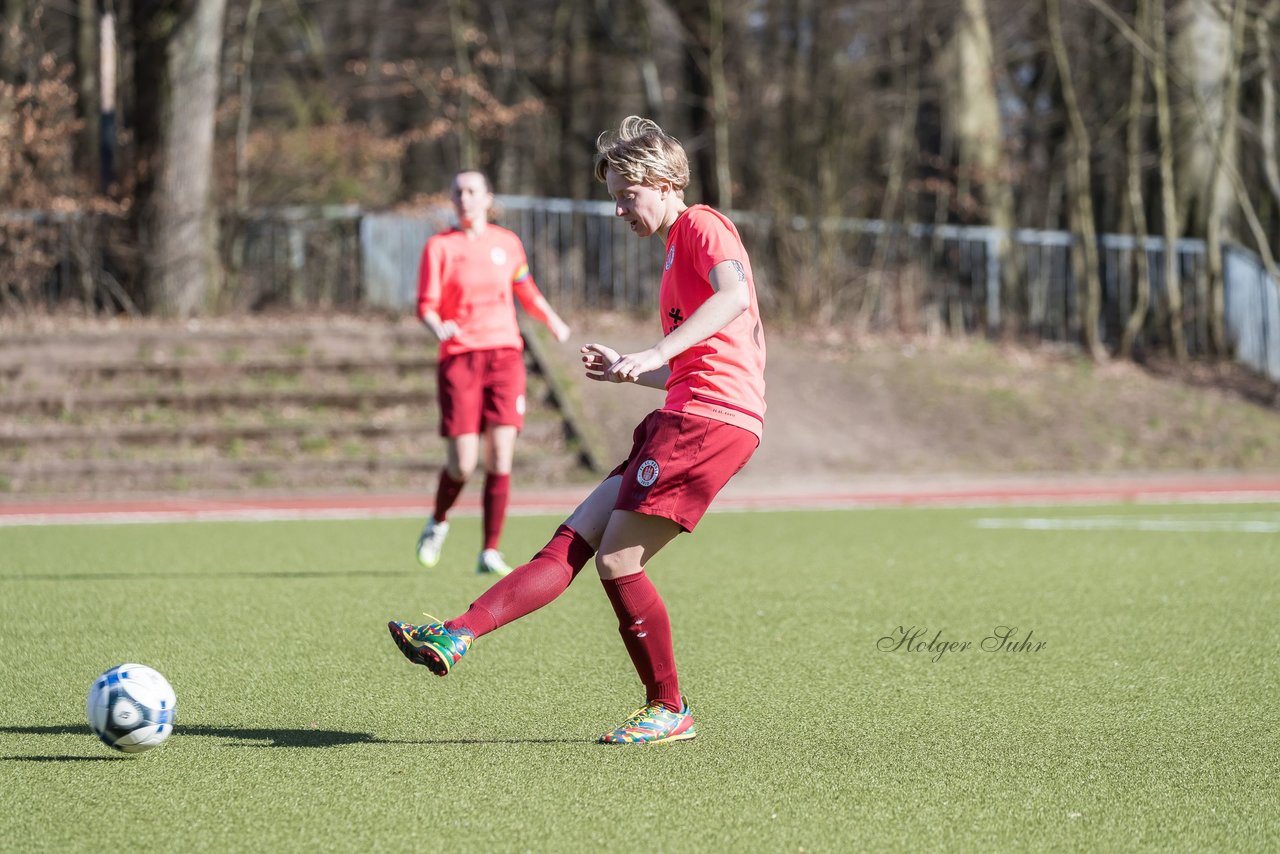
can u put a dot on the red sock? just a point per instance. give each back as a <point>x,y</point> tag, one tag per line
<point>497,488</point>
<point>646,630</point>
<point>530,586</point>
<point>446,494</point>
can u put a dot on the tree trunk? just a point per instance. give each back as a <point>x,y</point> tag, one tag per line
<point>245,114</point>
<point>468,151</point>
<point>968,81</point>
<point>698,96</point>
<point>1168,188</point>
<point>1080,185</point>
<point>719,105</point>
<point>244,117</point>
<point>655,105</point>
<point>1220,196</point>
<point>1267,82</point>
<point>14,22</point>
<point>703,25</point>
<point>1200,50</point>
<point>1137,210</point>
<point>900,140</point>
<point>179,45</point>
<point>88,89</point>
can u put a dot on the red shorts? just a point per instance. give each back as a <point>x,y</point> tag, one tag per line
<point>481,389</point>
<point>678,463</point>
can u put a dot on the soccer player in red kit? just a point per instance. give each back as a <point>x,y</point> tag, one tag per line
<point>711,361</point>
<point>466,284</point>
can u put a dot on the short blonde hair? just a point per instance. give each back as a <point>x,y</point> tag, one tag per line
<point>642,153</point>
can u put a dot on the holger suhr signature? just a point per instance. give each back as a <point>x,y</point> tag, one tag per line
<point>918,639</point>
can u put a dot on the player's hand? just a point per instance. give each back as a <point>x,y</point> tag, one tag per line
<point>446,330</point>
<point>596,359</point>
<point>631,367</point>
<point>559,329</point>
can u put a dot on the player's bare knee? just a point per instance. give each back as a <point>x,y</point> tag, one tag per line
<point>612,565</point>
<point>608,564</point>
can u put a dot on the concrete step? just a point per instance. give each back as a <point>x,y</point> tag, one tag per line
<point>259,404</point>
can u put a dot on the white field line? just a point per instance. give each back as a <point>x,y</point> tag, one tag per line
<point>1122,523</point>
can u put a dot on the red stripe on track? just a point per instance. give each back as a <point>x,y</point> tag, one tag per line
<point>743,496</point>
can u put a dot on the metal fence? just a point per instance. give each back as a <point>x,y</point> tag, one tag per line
<point>869,273</point>
<point>881,275</point>
<point>1252,312</point>
<point>294,257</point>
<point>581,255</point>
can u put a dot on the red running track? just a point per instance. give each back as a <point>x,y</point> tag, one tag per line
<point>748,495</point>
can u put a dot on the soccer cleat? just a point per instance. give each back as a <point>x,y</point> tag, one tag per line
<point>431,644</point>
<point>432,542</point>
<point>653,724</point>
<point>491,562</point>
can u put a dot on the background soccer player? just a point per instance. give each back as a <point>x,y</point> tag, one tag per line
<point>711,363</point>
<point>466,282</point>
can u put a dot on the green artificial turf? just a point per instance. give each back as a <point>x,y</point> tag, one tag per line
<point>1147,720</point>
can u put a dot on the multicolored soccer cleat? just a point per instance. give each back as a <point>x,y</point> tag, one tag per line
<point>431,644</point>
<point>653,724</point>
<point>431,542</point>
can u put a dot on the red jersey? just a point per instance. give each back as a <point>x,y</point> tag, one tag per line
<point>722,377</point>
<point>471,281</point>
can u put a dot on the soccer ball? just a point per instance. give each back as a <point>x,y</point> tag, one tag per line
<point>131,708</point>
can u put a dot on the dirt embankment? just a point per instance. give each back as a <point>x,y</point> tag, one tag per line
<point>840,407</point>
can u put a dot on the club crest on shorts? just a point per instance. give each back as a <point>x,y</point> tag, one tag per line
<point>671,259</point>
<point>647,474</point>
<point>499,255</point>
<point>520,404</point>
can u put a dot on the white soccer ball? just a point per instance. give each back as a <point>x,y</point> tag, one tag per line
<point>131,708</point>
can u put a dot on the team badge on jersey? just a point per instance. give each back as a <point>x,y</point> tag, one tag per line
<point>647,474</point>
<point>671,259</point>
<point>498,255</point>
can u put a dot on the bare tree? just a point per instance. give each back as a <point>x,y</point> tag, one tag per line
<point>15,22</point>
<point>967,73</point>
<point>1080,189</point>
<point>1137,208</point>
<point>179,44</point>
<point>460,30</point>
<point>702,24</point>
<point>244,115</point>
<point>1201,49</point>
<point>88,105</point>
<point>900,139</point>
<point>1168,187</point>
<point>1220,196</point>
<point>805,110</point>
<point>1268,108</point>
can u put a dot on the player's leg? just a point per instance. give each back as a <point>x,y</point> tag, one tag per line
<point>462,453</point>
<point>502,416</point>
<point>677,468</point>
<point>630,541</point>
<point>499,453</point>
<point>529,587</point>
<point>460,420</point>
